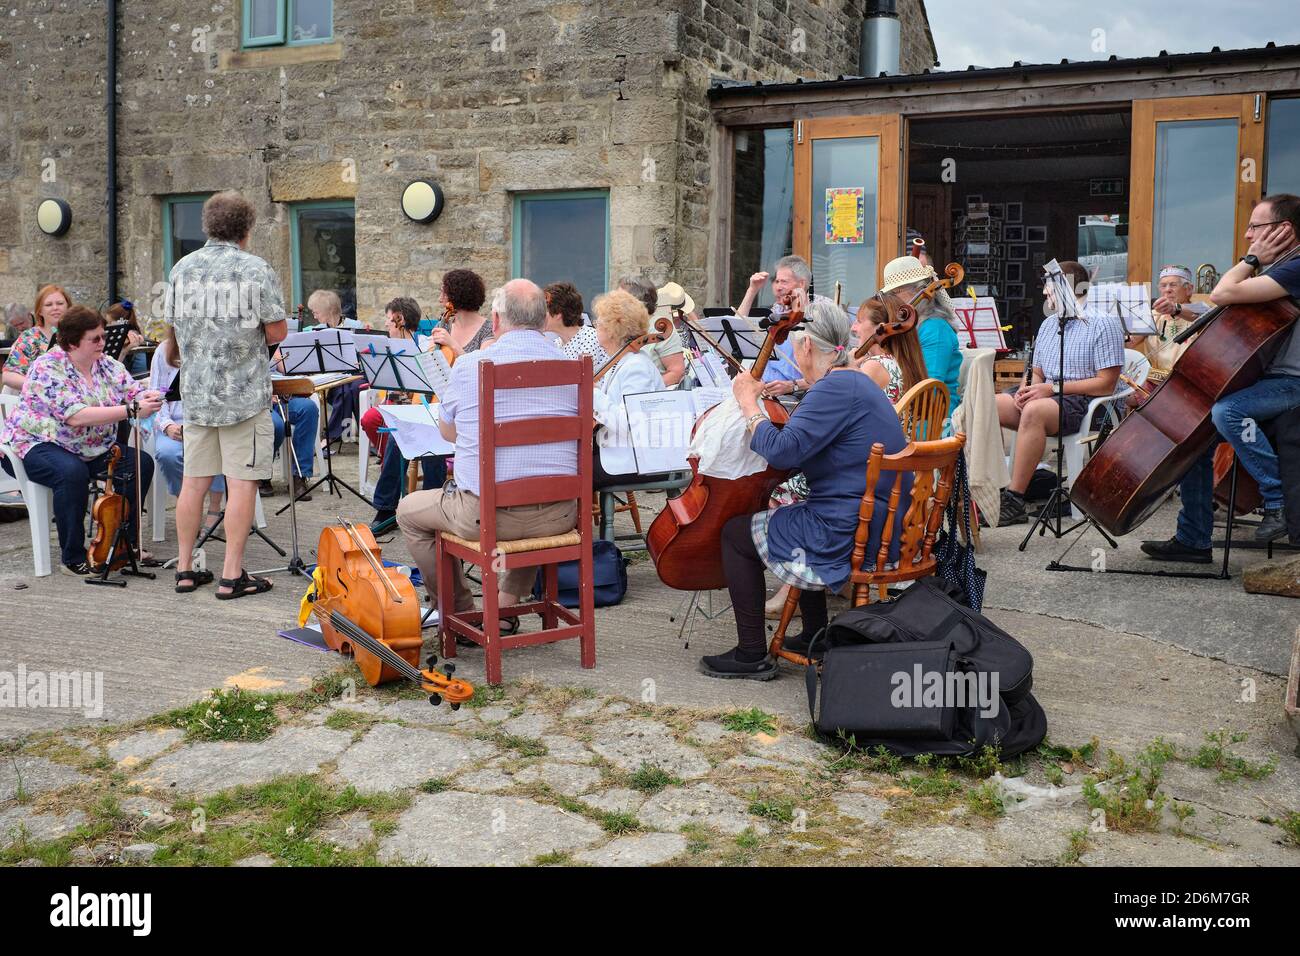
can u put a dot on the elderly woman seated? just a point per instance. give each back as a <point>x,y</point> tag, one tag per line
<point>65,427</point>
<point>620,317</point>
<point>807,544</point>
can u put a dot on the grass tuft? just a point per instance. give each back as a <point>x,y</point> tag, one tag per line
<point>227,714</point>
<point>985,800</point>
<point>1216,754</point>
<point>1132,799</point>
<point>650,779</point>
<point>751,721</point>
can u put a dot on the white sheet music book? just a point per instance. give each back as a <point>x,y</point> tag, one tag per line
<point>416,429</point>
<point>711,371</point>
<point>1130,302</point>
<point>705,397</point>
<point>661,425</point>
<point>337,352</point>
<point>436,369</point>
<point>978,324</point>
<point>402,374</point>
<point>733,333</point>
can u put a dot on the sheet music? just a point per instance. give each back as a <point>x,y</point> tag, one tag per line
<point>436,369</point>
<point>705,397</point>
<point>337,352</point>
<point>390,363</point>
<point>1063,288</point>
<point>711,371</point>
<point>415,429</point>
<point>1130,302</point>
<point>661,425</point>
<point>978,322</point>
<point>734,334</point>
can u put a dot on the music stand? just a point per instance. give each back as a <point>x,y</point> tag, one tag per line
<point>736,334</point>
<point>296,564</point>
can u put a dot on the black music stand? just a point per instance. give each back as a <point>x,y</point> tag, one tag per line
<point>121,539</point>
<point>296,564</point>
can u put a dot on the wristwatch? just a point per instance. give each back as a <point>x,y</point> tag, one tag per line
<point>1252,261</point>
<point>1178,308</point>
<point>1056,388</point>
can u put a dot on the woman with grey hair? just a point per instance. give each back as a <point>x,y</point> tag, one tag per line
<point>807,544</point>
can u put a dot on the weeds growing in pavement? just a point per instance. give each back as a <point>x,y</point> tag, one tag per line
<point>1077,848</point>
<point>751,721</point>
<point>227,714</point>
<point>1130,798</point>
<point>650,779</point>
<point>779,809</point>
<point>1216,754</point>
<point>985,800</point>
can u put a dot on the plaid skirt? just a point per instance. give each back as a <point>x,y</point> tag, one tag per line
<point>795,572</point>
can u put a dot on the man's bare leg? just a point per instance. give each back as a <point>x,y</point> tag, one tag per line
<point>241,500</point>
<point>189,515</point>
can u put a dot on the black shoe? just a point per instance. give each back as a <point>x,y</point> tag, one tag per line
<point>300,487</point>
<point>1175,550</point>
<point>384,519</point>
<point>1012,510</point>
<point>264,488</point>
<point>1272,527</point>
<point>727,667</point>
<point>79,570</point>
<point>798,644</point>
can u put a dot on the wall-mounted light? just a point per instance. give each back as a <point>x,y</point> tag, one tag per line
<point>54,216</point>
<point>422,200</point>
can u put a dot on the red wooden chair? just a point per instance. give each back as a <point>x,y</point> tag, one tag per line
<point>491,555</point>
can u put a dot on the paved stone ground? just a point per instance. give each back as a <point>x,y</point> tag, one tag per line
<point>555,770</point>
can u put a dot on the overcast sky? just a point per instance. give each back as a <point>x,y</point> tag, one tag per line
<point>999,32</point>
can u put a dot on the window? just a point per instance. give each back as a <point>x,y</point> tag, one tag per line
<point>182,228</point>
<point>1195,194</point>
<point>762,205</point>
<point>563,237</point>
<point>1283,169</point>
<point>323,245</point>
<point>287,22</point>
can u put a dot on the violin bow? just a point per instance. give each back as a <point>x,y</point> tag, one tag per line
<point>696,330</point>
<point>370,556</point>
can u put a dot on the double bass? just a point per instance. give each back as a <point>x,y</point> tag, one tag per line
<point>373,613</point>
<point>1157,444</point>
<point>683,538</point>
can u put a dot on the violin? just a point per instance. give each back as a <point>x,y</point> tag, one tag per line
<point>109,513</point>
<point>662,329</point>
<point>683,538</point>
<point>1157,443</point>
<point>373,613</point>
<point>905,322</point>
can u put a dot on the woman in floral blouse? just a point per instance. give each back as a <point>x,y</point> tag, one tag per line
<point>899,363</point>
<point>65,426</point>
<point>51,303</point>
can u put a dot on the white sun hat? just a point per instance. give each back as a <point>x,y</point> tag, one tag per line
<point>906,270</point>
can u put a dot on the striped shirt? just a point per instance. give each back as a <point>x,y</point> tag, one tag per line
<point>1092,343</point>
<point>460,408</point>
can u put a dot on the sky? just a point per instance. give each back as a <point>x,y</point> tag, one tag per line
<point>999,32</point>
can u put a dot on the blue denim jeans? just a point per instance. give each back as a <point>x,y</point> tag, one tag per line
<point>1268,398</point>
<point>305,418</point>
<point>388,489</point>
<point>170,457</point>
<point>69,478</point>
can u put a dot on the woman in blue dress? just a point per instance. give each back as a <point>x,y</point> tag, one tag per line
<point>807,544</point>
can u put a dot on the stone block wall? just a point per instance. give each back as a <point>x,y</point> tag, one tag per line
<point>487,98</point>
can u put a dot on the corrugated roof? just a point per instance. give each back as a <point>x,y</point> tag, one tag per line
<point>724,88</point>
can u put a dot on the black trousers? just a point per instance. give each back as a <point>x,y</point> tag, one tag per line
<point>1285,436</point>
<point>744,572</point>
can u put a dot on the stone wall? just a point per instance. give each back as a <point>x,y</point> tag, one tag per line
<point>488,98</point>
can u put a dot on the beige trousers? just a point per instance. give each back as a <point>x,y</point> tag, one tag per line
<point>422,514</point>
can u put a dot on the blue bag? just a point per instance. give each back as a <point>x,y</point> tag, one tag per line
<point>609,569</point>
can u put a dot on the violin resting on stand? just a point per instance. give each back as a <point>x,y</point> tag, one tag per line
<point>372,612</point>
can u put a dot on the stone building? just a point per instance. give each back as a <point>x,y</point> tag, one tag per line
<point>569,138</point>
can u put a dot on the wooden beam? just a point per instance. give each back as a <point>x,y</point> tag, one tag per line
<point>1141,203</point>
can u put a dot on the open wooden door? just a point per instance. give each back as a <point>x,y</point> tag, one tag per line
<point>1196,167</point>
<point>847,194</point>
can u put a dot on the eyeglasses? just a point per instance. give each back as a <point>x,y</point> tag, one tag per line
<point>94,338</point>
<point>1260,225</point>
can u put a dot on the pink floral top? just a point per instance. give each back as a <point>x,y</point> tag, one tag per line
<point>54,392</point>
<point>30,346</point>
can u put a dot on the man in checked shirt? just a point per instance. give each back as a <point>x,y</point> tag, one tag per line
<point>1094,358</point>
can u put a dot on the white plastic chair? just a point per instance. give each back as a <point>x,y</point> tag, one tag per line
<point>1078,447</point>
<point>365,398</point>
<point>38,498</point>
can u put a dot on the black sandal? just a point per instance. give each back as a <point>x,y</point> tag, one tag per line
<point>189,581</point>
<point>243,586</point>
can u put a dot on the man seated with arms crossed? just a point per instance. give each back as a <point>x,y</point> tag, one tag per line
<point>1094,357</point>
<point>227,307</point>
<point>1272,233</point>
<point>518,321</point>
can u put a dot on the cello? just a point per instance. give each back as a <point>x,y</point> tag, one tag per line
<point>1157,444</point>
<point>372,612</point>
<point>954,274</point>
<point>683,538</point>
<point>662,329</point>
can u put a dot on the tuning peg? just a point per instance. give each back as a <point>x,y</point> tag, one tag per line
<point>455,706</point>
<point>433,661</point>
<point>435,699</point>
<point>449,668</point>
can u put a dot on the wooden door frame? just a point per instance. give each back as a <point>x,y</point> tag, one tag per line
<point>889,184</point>
<point>1250,110</point>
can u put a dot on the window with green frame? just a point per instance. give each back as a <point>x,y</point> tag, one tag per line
<point>563,237</point>
<point>323,245</point>
<point>182,227</point>
<point>287,22</point>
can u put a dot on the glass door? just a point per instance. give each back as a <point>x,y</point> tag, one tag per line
<point>847,196</point>
<point>1197,170</point>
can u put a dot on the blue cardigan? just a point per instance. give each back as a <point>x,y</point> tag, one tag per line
<point>942,355</point>
<point>829,438</point>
